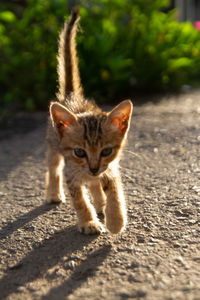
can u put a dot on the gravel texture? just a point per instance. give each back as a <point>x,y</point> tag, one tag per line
<point>43,256</point>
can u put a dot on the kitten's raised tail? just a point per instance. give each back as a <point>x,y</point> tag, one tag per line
<point>68,71</point>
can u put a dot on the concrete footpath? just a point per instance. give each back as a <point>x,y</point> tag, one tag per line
<point>42,255</point>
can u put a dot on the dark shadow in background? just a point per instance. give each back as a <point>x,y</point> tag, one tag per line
<point>21,123</point>
<point>19,128</point>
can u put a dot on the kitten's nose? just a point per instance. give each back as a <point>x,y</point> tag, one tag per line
<point>94,170</point>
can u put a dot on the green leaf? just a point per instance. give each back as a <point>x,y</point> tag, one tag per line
<point>7,16</point>
<point>181,62</point>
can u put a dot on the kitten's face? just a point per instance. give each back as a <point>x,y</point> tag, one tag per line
<point>92,156</point>
<point>92,142</point>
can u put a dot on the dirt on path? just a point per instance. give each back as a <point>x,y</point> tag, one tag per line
<point>42,255</point>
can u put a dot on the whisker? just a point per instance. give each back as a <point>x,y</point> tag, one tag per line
<point>142,158</point>
<point>128,177</point>
<point>126,169</point>
<point>133,153</point>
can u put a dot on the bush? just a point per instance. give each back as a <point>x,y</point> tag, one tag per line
<point>136,46</point>
<point>124,45</point>
<point>29,42</point>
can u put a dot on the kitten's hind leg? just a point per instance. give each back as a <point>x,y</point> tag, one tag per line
<point>54,177</point>
<point>98,196</point>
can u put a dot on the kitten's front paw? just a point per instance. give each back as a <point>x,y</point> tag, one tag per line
<point>117,224</point>
<point>91,227</point>
<point>115,218</point>
<point>115,228</point>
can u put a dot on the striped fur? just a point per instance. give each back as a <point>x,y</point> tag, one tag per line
<point>92,128</point>
<point>85,143</point>
<point>68,72</point>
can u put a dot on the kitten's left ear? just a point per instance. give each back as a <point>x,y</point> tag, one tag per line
<point>120,116</point>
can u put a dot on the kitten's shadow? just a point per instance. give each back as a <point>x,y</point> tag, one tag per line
<point>81,273</point>
<point>24,219</point>
<point>48,254</point>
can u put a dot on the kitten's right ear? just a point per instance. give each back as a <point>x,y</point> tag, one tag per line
<point>61,117</point>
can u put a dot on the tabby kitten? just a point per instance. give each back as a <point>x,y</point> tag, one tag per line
<point>88,142</point>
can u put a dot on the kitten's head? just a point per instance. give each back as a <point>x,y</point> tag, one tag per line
<point>91,141</point>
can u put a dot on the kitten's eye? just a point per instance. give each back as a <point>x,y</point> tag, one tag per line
<point>106,151</point>
<point>79,152</point>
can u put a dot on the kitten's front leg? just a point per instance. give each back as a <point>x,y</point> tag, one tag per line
<point>54,177</point>
<point>88,222</point>
<point>115,211</point>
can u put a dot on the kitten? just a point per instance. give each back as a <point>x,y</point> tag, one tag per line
<point>88,142</point>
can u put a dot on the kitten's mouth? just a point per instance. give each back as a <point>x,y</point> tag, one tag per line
<point>94,173</point>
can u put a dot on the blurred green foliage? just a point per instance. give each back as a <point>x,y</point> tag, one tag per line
<point>123,45</point>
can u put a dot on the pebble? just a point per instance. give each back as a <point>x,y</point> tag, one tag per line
<point>138,294</point>
<point>31,287</point>
<point>125,295</point>
<point>196,188</point>
<point>71,264</point>
<point>132,278</point>
<point>52,270</point>
<point>153,240</point>
<point>171,203</point>
<point>192,222</point>
<point>141,293</point>
<point>135,264</point>
<point>181,218</point>
<point>196,258</point>
<point>61,272</point>
<point>176,245</point>
<point>179,259</point>
<point>140,238</point>
<point>21,289</point>
<point>15,266</point>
